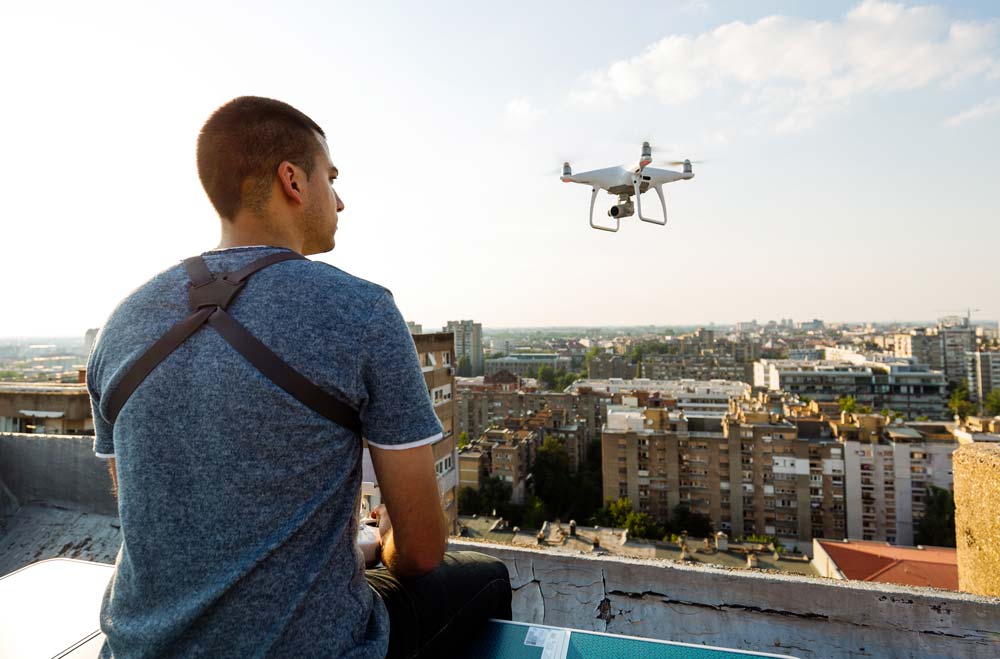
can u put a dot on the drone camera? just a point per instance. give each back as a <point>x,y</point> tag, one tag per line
<point>567,171</point>
<point>624,209</point>
<point>687,167</point>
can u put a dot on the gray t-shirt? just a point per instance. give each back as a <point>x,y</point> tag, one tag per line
<point>238,503</point>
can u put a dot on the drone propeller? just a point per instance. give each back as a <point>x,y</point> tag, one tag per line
<point>678,163</point>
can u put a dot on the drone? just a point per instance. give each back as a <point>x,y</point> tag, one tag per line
<point>627,183</point>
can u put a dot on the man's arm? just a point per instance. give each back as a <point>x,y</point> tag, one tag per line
<point>415,543</point>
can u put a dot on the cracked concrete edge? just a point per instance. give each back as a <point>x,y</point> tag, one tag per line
<point>884,606</point>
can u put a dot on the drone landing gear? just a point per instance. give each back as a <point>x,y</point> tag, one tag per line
<point>663,204</point>
<point>593,198</point>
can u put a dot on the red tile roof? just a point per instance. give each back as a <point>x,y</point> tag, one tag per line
<point>936,567</point>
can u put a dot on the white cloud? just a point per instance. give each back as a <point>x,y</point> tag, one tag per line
<point>981,111</point>
<point>787,71</point>
<point>521,111</point>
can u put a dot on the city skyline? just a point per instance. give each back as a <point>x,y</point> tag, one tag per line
<point>990,324</point>
<point>851,150</point>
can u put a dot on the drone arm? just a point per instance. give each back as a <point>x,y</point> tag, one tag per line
<point>593,198</point>
<point>663,204</point>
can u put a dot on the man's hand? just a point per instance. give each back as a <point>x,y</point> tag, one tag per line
<point>113,471</point>
<point>381,515</point>
<point>413,542</point>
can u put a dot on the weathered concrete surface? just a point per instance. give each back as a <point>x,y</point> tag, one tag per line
<point>977,517</point>
<point>802,616</point>
<point>35,533</point>
<point>56,469</point>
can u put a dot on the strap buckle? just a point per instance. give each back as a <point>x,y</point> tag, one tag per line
<point>219,292</point>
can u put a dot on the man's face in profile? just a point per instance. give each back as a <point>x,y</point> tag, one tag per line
<point>322,205</point>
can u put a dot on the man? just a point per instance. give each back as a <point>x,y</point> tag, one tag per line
<point>238,502</point>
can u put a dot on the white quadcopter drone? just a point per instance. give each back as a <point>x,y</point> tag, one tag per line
<point>628,182</point>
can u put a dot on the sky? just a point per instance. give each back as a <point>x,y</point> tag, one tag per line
<point>851,149</point>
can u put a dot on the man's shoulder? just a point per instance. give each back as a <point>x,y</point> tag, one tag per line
<point>326,274</point>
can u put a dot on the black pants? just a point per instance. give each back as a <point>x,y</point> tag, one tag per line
<point>435,615</point>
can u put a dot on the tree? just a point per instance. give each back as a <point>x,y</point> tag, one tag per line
<point>642,525</point>
<point>463,439</point>
<point>992,403</point>
<point>535,513</point>
<point>959,403</point>
<point>546,377</point>
<point>593,352</point>
<point>530,372</point>
<point>464,367</point>
<point>614,513</point>
<point>469,501</point>
<point>695,524</point>
<point>937,526</point>
<point>847,404</point>
<point>495,495</point>
<point>565,380</point>
<point>550,475</point>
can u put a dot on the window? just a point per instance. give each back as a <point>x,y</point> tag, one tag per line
<point>444,465</point>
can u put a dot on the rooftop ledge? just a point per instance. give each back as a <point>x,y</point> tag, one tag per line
<point>806,617</point>
<point>763,612</point>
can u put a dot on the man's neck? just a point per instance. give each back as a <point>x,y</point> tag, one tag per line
<point>249,231</point>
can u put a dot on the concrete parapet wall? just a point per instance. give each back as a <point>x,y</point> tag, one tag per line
<point>804,617</point>
<point>58,469</point>
<point>977,517</point>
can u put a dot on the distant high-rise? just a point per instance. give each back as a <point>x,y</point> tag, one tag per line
<point>982,373</point>
<point>468,343</point>
<point>955,343</point>
<point>415,328</point>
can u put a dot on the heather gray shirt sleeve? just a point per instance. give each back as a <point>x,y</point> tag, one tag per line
<point>104,444</point>
<point>398,412</point>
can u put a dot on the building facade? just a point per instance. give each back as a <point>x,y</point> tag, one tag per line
<point>526,364</point>
<point>468,343</point>
<point>45,408</point>
<point>982,372</point>
<point>437,362</point>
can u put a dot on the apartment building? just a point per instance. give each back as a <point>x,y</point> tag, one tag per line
<point>982,373</point>
<point>693,397</point>
<point>748,472</point>
<point>507,454</point>
<point>699,367</point>
<point>525,364</point>
<point>468,343</point>
<point>606,366</point>
<point>955,343</point>
<point>901,385</point>
<point>890,466</point>
<point>473,465</point>
<point>479,409</point>
<point>558,423</point>
<point>921,344</point>
<point>944,348</point>
<point>437,362</point>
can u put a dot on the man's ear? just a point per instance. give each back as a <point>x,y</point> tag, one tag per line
<point>290,178</point>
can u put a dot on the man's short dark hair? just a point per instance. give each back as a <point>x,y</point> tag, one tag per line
<point>241,146</point>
